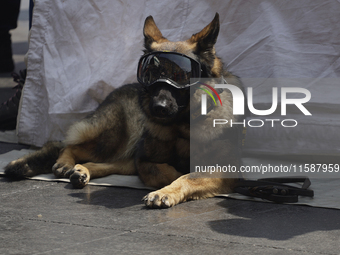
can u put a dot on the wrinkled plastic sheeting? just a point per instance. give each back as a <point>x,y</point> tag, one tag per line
<point>81,50</point>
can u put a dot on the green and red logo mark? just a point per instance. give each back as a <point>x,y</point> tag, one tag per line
<point>209,93</point>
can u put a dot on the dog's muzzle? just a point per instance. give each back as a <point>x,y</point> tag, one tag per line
<point>164,104</point>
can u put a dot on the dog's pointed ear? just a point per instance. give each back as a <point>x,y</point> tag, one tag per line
<point>206,39</point>
<point>151,33</point>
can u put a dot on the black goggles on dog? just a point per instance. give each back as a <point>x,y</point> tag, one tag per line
<point>171,67</point>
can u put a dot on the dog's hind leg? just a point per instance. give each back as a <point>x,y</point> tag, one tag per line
<point>81,174</point>
<point>188,188</point>
<point>38,162</point>
<point>69,156</point>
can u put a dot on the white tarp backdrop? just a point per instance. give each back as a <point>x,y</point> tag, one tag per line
<point>81,50</point>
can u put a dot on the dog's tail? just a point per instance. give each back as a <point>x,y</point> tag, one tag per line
<point>39,162</point>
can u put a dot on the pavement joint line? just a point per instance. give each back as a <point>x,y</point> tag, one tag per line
<point>65,223</point>
<point>74,224</point>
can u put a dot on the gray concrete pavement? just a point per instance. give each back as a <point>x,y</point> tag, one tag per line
<point>39,217</point>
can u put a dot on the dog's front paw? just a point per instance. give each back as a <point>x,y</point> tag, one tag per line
<point>79,176</point>
<point>159,199</point>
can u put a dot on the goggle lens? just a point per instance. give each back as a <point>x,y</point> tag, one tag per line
<point>173,67</point>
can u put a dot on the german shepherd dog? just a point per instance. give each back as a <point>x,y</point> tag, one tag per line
<point>145,131</point>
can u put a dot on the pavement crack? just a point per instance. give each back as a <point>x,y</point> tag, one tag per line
<point>74,224</point>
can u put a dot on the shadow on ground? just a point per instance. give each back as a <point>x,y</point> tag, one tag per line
<point>260,220</point>
<point>109,197</point>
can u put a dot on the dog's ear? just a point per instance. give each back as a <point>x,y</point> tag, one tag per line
<point>206,39</point>
<point>151,33</point>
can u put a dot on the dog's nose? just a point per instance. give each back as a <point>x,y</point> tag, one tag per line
<point>161,109</point>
